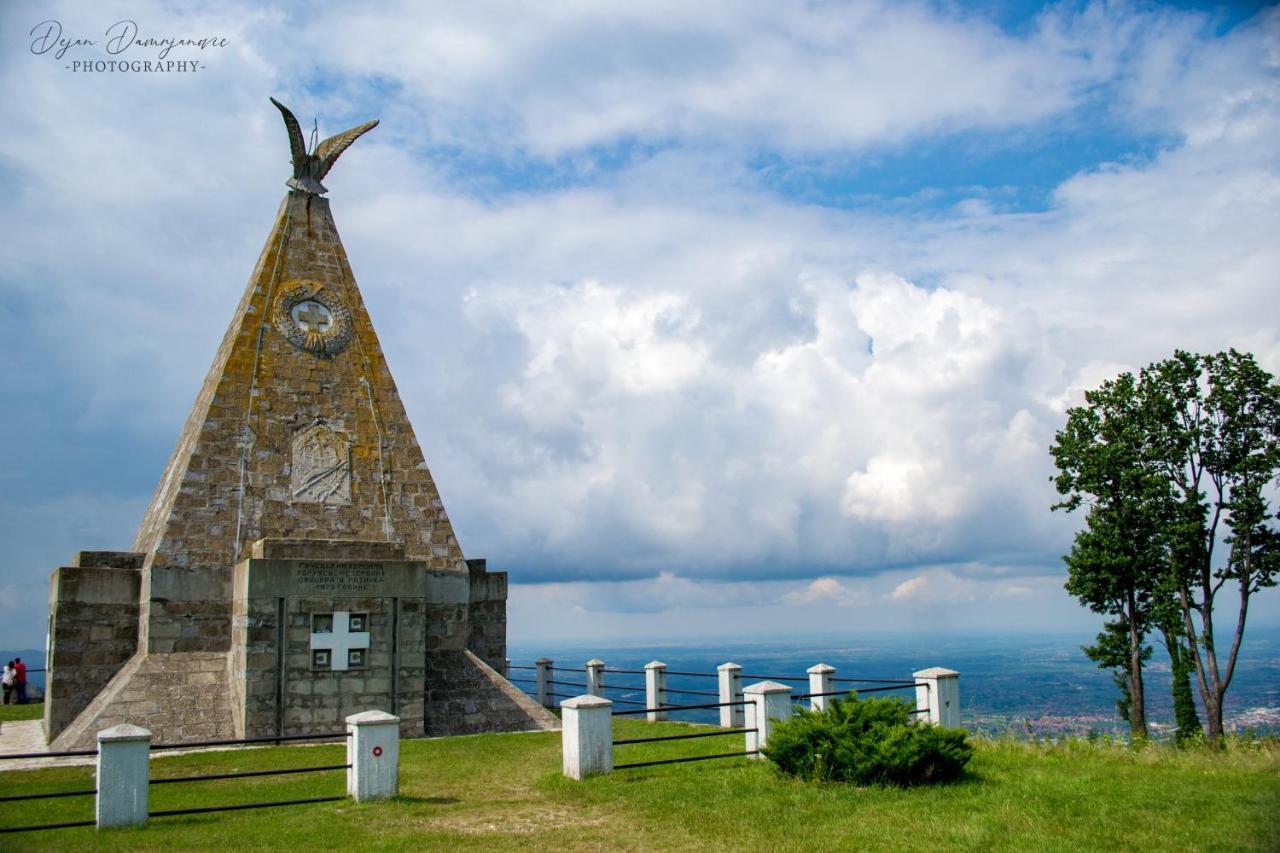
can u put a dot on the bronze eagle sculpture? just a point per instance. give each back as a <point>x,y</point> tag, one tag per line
<point>310,168</point>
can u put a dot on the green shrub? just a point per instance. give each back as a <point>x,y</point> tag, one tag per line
<point>867,742</point>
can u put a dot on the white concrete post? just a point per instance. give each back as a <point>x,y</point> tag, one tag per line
<point>595,677</point>
<point>545,699</point>
<point>586,736</point>
<point>731,691</point>
<point>506,668</point>
<point>124,776</point>
<point>940,695</point>
<point>655,689</point>
<point>820,682</point>
<point>373,751</point>
<point>770,702</point>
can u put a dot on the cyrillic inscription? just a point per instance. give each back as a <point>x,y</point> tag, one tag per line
<point>339,578</point>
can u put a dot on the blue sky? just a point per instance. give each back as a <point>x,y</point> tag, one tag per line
<point>705,314</point>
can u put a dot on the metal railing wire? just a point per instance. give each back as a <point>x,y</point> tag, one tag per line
<point>64,754</point>
<point>685,760</point>
<point>166,780</point>
<point>693,692</point>
<point>683,707</point>
<point>48,796</point>
<point>629,687</point>
<point>902,686</point>
<point>175,779</point>
<point>873,680</point>
<point>718,733</point>
<point>247,741</point>
<point>42,826</point>
<point>243,806</point>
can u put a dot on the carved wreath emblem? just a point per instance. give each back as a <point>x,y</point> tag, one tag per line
<point>313,318</point>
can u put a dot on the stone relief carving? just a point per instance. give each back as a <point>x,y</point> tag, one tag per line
<point>321,471</point>
<point>313,318</point>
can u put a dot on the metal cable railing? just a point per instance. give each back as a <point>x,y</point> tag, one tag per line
<point>68,753</point>
<point>48,796</point>
<point>693,692</point>
<point>629,687</point>
<point>685,760</point>
<point>719,733</point>
<point>208,777</point>
<point>41,826</point>
<point>247,774</point>
<point>246,741</point>
<point>902,686</point>
<point>683,707</point>
<point>242,807</point>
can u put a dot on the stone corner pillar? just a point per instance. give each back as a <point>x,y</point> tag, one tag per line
<point>820,682</point>
<point>595,677</point>
<point>770,702</point>
<point>586,736</point>
<point>373,751</point>
<point>939,695</point>
<point>730,675</point>
<point>545,699</point>
<point>124,776</point>
<point>655,689</point>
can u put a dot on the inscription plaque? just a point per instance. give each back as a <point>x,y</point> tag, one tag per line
<point>324,578</point>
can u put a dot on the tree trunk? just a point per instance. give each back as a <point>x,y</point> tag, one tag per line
<point>1213,716</point>
<point>1138,710</point>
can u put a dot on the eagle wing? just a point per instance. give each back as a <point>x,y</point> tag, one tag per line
<point>329,150</point>
<point>296,146</point>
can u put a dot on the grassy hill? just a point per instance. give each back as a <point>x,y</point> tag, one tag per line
<point>506,792</point>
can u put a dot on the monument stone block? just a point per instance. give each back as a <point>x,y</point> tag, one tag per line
<point>295,565</point>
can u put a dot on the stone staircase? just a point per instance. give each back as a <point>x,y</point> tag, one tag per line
<point>182,696</point>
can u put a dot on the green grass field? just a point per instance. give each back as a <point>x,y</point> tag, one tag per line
<point>14,711</point>
<point>506,792</point>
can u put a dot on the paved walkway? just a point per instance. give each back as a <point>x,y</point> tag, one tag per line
<point>21,736</point>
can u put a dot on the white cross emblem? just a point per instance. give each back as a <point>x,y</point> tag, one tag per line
<point>340,641</point>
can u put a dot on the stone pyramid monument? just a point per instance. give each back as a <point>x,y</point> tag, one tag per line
<point>296,563</point>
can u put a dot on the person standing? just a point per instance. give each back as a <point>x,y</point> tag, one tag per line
<point>20,680</point>
<point>7,681</point>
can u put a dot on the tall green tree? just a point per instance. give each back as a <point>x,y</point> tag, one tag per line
<point>1117,560</point>
<point>1215,432</point>
<point>1176,467</point>
<point>1111,652</point>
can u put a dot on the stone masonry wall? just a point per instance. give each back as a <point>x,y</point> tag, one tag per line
<point>179,697</point>
<point>487,615</point>
<point>93,631</point>
<point>318,701</point>
<point>466,696</point>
